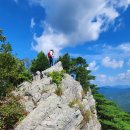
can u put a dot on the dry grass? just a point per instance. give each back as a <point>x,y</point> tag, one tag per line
<point>59,91</point>
<point>86,118</point>
<point>83,94</point>
<point>73,102</point>
<point>92,108</point>
<point>87,114</point>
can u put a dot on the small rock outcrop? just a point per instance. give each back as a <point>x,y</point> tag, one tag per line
<point>73,110</point>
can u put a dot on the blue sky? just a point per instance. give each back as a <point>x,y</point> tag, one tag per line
<point>98,30</point>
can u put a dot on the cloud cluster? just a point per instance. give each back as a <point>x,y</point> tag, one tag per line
<point>115,53</point>
<point>93,66</point>
<point>119,79</point>
<point>72,22</point>
<point>112,63</point>
<point>124,47</point>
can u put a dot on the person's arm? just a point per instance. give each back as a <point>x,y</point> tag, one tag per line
<point>51,54</point>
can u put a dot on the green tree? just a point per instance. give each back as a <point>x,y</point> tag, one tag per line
<point>12,70</point>
<point>5,48</point>
<point>110,115</point>
<point>81,62</point>
<point>40,63</point>
<point>2,38</point>
<point>65,59</point>
<point>12,73</point>
<point>84,77</point>
<point>77,66</point>
<point>11,113</point>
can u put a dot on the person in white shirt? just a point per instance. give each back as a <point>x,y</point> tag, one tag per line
<point>51,56</point>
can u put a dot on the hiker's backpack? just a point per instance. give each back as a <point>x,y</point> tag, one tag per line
<point>49,54</point>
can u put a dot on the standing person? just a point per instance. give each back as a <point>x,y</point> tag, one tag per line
<point>51,56</point>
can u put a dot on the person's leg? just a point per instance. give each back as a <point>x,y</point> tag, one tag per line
<point>50,61</point>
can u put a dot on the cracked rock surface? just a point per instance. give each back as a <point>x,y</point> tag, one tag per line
<point>47,111</point>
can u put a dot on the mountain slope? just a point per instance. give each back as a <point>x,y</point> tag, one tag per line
<point>47,111</point>
<point>121,96</point>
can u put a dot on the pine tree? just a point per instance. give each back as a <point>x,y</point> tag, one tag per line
<point>65,62</point>
<point>78,67</point>
<point>40,63</point>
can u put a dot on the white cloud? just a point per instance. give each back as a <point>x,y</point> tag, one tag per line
<point>125,47</point>
<point>75,22</point>
<point>117,52</point>
<point>32,23</point>
<point>119,79</point>
<point>93,66</point>
<point>112,63</point>
<point>125,75</point>
<point>46,42</point>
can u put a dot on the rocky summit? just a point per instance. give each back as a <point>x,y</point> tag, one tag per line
<point>73,110</point>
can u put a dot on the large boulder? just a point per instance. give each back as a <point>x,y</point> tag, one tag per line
<point>48,111</point>
<point>57,67</point>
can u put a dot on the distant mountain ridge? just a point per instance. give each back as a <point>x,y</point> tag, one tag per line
<point>117,86</point>
<point>119,94</point>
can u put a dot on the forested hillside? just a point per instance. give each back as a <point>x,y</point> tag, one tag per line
<point>110,115</point>
<point>121,96</point>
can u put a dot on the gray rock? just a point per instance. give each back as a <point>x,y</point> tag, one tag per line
<point>38,75</point>
<point>29,105</point>
<point>51,112</point>
<point>57,67</point>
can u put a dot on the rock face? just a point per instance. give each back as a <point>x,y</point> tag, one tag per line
<point>47,111</point>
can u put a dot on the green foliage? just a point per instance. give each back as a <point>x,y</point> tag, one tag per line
<point>111,117</point>
<point>2,38</point>
<point>65,62</point>
<point>81,62</point>
<point>84,77</point>
<point>40,63</point>
<point>5,48</point>
<point>57,77</point>
<point>12,70</point>
<point>11,113</point>
<point>77,66</point>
